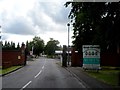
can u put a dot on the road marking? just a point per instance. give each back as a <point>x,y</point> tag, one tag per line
<point>44,64</point>
<point>42,67</point>
<point>26,85</point>
<point>38,74</point>
<point>44,61</point>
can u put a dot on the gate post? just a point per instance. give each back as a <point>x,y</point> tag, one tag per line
<point>118,78</point>
<point>64,56</point>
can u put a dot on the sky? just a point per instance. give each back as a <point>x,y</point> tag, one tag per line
<point>21,20</point>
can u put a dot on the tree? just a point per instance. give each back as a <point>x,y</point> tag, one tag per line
<point>51,46</point>
<point>37,44</point>
<point>95,23</point>
<point>18,46</point>
<point>5,46</point>
<point>27,43</point>
<point>1,45</point>
<point>8,46</point>
<point>12,45</point>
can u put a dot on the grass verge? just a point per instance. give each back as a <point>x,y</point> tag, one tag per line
<point>0,67</point>
<point>109,76</point>
<point>7,70</point>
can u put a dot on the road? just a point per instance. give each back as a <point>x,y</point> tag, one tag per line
<point>41,73</point>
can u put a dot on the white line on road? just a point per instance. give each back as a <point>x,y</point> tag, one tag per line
<point>38,74</point>
<point>26,84</point>
<point>42,67</point>
<point>44,61</point>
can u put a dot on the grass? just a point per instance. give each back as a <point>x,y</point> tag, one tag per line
<point>7,70</point>
<point>0,67</point>
<point>107,75</point>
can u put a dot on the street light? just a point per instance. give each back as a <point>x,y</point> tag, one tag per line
<point>0,33</point>
<point>68,42</point>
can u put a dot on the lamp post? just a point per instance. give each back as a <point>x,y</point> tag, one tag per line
<point>68,43</point>
<point>0,33</point>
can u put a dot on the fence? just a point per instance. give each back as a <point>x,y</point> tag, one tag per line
<point>106,59</point>
<point>110,59</point>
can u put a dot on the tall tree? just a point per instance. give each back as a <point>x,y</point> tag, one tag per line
<point>5,46</point>
<point>18,46</point>
<point>51,46</point>
<point>12,45</point>
<point>37,45</point>
<point>8,45</point>
<point>95,23</point>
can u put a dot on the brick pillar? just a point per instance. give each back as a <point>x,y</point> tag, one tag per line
<point>64,56</point>
<point>73,57</point>
<point>23,55</point>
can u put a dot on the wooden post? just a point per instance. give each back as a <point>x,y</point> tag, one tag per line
<point>118,78</point>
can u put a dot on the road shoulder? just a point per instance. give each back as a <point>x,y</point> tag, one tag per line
<point>88,81</point>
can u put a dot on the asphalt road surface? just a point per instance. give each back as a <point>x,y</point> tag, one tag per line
<point>41,73</point>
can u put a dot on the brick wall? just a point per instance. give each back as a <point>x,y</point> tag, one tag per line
<point>76,58</point>
<point>106,59</point>
<point>110,59</point>
<point>12,58</point>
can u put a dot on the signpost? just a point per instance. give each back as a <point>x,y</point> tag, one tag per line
<point>91,57</point>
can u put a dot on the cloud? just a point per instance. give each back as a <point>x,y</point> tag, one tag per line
<point>49,16</point>
<point>33,17</point>
<point>20,25</point>
<point>14,18</point>
<point>44,16</point>
<point>4,36</point>
<point>56,11</point>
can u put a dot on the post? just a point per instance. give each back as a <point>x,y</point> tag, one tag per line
<point>23,53</point>
<point>68,59</point>
<point>64,57</point>
<point>118,78</point>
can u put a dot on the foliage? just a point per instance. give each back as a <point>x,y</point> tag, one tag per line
<point>10,46</point>
<point>18,46</point>
<point>37,44</point>
<point>51,46</point>
<point>96,23</point>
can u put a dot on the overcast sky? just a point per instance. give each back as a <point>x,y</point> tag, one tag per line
<point>21,20</point>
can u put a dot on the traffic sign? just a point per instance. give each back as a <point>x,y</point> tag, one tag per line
<point>91,57</point>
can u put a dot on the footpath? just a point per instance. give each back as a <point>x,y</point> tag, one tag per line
<point>88,81</point>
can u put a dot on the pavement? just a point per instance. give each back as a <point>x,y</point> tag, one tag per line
<point>87,80</point>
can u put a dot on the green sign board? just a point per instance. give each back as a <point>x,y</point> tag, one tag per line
<point>91,61</point>
<point>91,56</point>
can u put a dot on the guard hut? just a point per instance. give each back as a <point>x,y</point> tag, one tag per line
<point>91,57</point>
